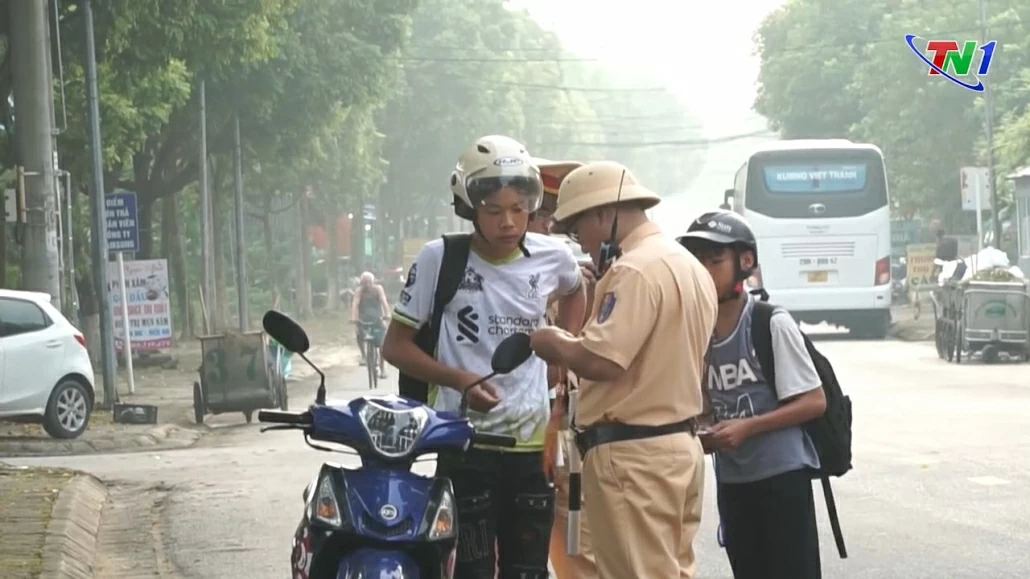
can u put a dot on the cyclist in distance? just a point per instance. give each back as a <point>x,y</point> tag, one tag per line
<point>505,501</point>
<point>370,307</point>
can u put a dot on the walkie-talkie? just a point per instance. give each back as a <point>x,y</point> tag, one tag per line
<point>610,250</point>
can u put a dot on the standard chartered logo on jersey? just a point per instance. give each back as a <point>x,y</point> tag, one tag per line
<point>507,325</point>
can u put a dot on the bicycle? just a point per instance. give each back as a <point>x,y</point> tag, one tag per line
<point>369,345</point>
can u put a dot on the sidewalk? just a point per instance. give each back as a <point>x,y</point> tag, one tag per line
<point>51,518</point>
<point>170,388</point>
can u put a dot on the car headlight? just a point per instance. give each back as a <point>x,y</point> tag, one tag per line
<point>443,520</point>
<point>393,432</point>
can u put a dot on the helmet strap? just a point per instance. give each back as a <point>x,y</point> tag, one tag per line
<point>739,276</point>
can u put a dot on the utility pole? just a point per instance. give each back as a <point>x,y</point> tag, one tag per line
<point>989,135</point>
<point>205,210</point>
<point>97,213</point>
<point>241,250</point>
<point>33,100</point>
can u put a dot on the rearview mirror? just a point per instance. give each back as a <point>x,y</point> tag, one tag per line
<point>511,353</point>
<point>727,195</point>
<point>285,331</point>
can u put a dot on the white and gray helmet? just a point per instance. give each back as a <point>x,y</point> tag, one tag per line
<point>489,164</point>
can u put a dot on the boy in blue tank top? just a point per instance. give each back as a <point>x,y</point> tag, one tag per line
<point>763,458</point>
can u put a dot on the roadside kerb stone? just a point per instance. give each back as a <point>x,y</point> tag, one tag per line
<point>69,551</point>
<point>163,437</point>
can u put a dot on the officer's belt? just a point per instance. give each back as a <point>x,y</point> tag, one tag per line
<point>597,434</point>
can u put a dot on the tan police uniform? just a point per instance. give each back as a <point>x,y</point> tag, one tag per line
<point>653,314</point>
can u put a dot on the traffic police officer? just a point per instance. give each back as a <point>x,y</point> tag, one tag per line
<point>566,566</point>
<point>640,358</point>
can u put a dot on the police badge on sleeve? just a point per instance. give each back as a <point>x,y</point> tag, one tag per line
<point>604,311</point>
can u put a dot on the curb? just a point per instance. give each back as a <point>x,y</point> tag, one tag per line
<point>162,437</point>
<point>69,551</point>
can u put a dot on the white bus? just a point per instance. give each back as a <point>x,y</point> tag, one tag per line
<point>821,212</point>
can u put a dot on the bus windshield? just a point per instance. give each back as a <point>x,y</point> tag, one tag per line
<point>815,184</point>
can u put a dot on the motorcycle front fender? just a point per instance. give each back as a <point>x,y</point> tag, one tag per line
<point>368,563</point>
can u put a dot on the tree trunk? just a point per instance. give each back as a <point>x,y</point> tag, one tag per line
<point>145,220</point>
<point>332,264</point>
<point>302,281</point>
<point>270,255</point>
<point>173,244</point>
<point>219,319</point>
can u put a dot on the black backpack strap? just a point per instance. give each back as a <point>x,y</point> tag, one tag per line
<point>452,271</point>
<point>456,247</point>
<point>761,339</point>
<point>831,510</point>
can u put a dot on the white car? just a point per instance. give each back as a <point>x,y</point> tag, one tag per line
<point>45,371</point>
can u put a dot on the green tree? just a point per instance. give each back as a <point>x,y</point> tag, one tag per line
<point>844,70</point>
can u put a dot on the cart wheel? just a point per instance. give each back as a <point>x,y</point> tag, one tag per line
<point>938,338</point>
<point>989,354</point>
<point>958,345</point>
<point>249,415</point>
<point>198,403</point>
<point>949,343</point>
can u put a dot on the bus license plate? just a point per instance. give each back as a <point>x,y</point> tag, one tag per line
<point>817,276</point>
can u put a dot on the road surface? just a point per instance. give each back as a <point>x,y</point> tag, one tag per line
<point>938,491</point>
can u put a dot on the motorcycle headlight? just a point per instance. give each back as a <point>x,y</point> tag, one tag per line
<point>443,520</point>
<point>393,432</point>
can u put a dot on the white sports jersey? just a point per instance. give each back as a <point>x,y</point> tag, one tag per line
<point>495,300</point>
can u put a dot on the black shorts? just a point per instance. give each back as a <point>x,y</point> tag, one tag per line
<point>769,527</point>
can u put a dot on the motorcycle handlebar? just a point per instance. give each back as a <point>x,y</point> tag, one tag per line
<point>488,439</point>
<point>283,417</point>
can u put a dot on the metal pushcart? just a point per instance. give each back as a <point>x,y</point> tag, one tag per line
<point>982,317</point>
<point>239,372</point>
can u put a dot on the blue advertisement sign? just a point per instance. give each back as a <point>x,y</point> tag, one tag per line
<point>120,212</point>
<point>829,178</point>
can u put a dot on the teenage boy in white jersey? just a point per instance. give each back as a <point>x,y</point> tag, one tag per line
<point>505,503</point>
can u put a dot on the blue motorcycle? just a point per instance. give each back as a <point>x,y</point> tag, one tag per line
<point>380,520</point>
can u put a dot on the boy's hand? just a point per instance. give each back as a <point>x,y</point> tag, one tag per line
<point>727,434</point>
<point>483,398</point>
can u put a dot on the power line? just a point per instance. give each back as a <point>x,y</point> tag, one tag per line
<point>689,143</point>
<point>512,60</point>
<point>534,86</point>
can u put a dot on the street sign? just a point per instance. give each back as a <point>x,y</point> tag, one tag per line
<point>368,212</point>
<point>10,206</point>
<point>975,180</point>
<point>122,226</point>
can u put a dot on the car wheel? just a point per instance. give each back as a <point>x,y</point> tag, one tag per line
<point>68,411</point>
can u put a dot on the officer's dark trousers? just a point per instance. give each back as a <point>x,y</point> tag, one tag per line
<point>505,511</point>
<point>769,527</point>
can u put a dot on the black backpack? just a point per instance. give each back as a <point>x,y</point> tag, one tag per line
<point>831,432</point>
<point>452,270</point>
